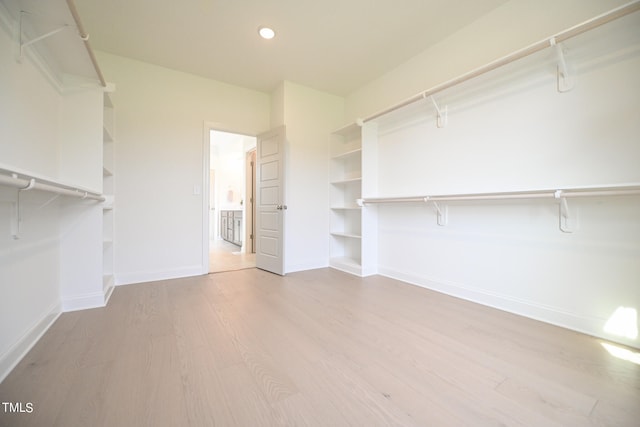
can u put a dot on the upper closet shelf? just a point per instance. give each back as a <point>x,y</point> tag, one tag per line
<point>564,79</point>
<point>51,34</point>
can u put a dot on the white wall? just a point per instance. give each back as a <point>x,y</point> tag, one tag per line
<point>309,116</point>
<point>79,156</point>
<point>160,116</point>
<point>513,131</point>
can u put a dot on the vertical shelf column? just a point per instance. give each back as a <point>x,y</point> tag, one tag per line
<point>369,219</point>
<point>108,189</point>
<point>345,188</point>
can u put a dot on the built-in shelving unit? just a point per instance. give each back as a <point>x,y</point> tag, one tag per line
<point>108,159</point>
<point>353,246</point>
<point>345,171</point>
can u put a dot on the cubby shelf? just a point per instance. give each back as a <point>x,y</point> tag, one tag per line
<point>344,234</point>
<point>346,154</point>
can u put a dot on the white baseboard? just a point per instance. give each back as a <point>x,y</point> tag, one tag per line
<point>152,276</point>
<point>83,302</point>
<point>589,325</point>
<point>305,267</point>
<point>17,351</point>
<point>87,301</point>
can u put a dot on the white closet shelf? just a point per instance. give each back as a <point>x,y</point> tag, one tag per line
<point>567,222</point>
<point>31,181</point>
<point>347,235</point>
<point>549,42</point>
<point>346,154</point>
<point>350,265</point>
<point>595,191</point>
<point>347,130</point>
<point>345,208</point>
<point>346,181</point>
<point>68,53</point>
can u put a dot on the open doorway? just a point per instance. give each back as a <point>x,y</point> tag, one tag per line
<point>231,201</point>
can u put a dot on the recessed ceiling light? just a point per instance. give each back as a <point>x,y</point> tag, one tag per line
<point>266,33</point>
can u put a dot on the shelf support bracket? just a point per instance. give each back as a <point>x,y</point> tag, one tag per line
<point>567,222</point>
<point>564,82</point>
<point>15,218</point>
<point>441,114</point>
<point>442,212</point>
<point>24,43</point>
<point>16,214</point>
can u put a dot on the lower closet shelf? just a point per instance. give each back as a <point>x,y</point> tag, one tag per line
<point>347,264</point>
<point>349,235</point>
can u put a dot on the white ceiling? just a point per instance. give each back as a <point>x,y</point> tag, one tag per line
<point>330,45</point>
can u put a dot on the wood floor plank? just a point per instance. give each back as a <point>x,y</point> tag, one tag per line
<point>314,348</point>
<point>206,400</point>
<point>270,377</point>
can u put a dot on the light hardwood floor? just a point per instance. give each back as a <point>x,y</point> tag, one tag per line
<point>225,256</point>
<point>315,348</point>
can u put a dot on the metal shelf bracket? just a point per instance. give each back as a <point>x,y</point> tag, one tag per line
<point>24,43</point>
<point>564,82</point>
<point>442,212</point>
<point>441,113</point>
<point>16,215</point>
<point>567,222</point>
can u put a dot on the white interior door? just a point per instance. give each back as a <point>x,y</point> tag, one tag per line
<point>270,204</point>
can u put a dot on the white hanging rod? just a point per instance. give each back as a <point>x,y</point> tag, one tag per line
<point>542,194</point>
<point>552,41</point>
<point>33,184</point>
<point>85,38</point>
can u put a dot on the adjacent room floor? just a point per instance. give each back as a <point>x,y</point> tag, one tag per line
<point>314,348</point>
<point>225,256</point>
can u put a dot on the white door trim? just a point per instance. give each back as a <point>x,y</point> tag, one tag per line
<point>207,127</point>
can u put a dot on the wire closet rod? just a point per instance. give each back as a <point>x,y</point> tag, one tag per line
<point>33,184</point>
<point>542,194</point>
<point>576,30</point>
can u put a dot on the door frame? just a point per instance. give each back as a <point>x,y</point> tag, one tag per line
<point>250,202</point>
<point>205,189</point>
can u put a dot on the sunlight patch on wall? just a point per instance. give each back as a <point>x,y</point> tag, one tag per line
<point>623,323</point>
